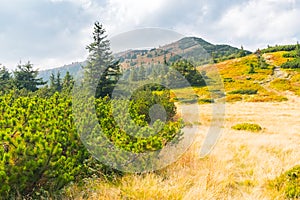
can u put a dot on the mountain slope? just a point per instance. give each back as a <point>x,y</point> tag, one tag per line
<point>195,49</point>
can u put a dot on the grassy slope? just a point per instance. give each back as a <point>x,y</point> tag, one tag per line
<point>242,163</point>
<point>237,72</point>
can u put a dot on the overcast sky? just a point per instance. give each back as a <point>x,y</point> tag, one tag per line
<point>51,33</point>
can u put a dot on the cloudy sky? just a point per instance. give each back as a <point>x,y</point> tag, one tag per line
<point>51,33</point>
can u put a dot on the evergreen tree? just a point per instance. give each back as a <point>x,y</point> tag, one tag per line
<point>242,52</point>
<point>52,81</point>
<point>55,82</point>
<point>5,80</point>
<point>68,82</point>
<point>25,77</point>
<point>298,50</point>
<point>101,70</point>
<point>251,71</point>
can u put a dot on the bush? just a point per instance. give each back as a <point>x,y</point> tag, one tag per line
<point>145,99</point>
<point>291,54</point>
<point>40,149</point>
<point>293,64</point>
<point>228,80</point>
<point>247,127</point>
<point>244,91</point>
<point>204,101</point>
<point>288,183</point>
<point>279,48</point>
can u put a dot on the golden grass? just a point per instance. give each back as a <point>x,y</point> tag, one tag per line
<point>276,58</point>
<point>239,167</point>
<point>281,84</point>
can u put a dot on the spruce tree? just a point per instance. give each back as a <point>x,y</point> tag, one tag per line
<point>25,77</point>
<point>5,80</point>
<point>68,82</point>
<point>55,82</point>
<point>102,71</point>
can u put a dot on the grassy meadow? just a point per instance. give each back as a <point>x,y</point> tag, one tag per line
<point>260,141</point>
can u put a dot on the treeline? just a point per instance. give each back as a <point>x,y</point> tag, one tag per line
<point>24,80</point>
<point>179,74</point>
<point>277,48</point>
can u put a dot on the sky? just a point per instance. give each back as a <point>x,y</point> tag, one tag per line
<point>52,33</point>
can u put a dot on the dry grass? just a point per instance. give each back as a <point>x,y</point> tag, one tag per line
<point>242,162</point>
<point>238,168</point>
<point>276,58</point>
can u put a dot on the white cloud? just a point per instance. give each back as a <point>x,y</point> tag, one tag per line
<point>55,32</point>
<point>261,22</point>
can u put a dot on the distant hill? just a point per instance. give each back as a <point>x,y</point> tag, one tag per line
<point>73,68</point>
<point>195,49</point>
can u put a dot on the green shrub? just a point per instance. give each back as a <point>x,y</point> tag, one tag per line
<point>279,48</point>
<point>288,183</point>
<point>145,99</point>
<point>291,54</point>
<point>247,127</point>
<point>244,91</point>
<point>293,64</point>
<point>40,149</point>
<point>228,80</point>
<point>204,101</point>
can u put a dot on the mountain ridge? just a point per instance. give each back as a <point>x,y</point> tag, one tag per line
<point>198,50</point>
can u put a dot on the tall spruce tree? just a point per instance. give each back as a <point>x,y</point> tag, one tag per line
<point>25,77</point>
<point>101,70</point>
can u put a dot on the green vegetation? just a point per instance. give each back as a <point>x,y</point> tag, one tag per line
<point>293,64</point>
<point>245,91</point>
<point>26,78</point>
<point>189,72</point>
<point>279,48</point>
<point>180,74</point>
<point>40,149</point>
<point>247,127</point>
<point>288,183</point>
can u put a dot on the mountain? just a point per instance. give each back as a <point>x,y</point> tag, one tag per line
<point>74,70</point>
<point>195,49</point>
